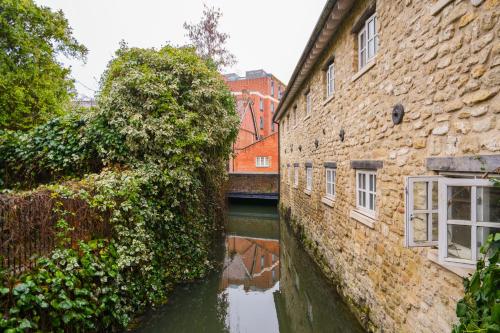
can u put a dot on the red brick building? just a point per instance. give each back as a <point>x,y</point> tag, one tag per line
<point>257,97</point>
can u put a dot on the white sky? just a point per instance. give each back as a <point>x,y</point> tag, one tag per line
<point>267,34</point>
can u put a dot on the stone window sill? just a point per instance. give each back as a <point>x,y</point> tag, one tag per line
<point>363,70</point>
<point>308,192</point>
<point>463,272</point>
<point>328,201</point>
<point>362,218</point>
<point>328,100</point>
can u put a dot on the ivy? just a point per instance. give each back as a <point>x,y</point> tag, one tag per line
<point>479,310</point>
<point>151,158</point>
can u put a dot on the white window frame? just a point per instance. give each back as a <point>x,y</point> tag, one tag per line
<point>261,104</point>
<point>330,80</point>
<point>330,186</point>
<point>262,161</point>
<point>364,40</point>
<point>410,211</point>
<point>296,176</point>
<point>366,191</point>
<point>272,88</point>
<point>309,178</point>
<point>444,183</point>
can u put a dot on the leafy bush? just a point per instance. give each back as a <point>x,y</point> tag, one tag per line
<point>63,146</point>
<point>34,86</point>
<point>72,288</point>
<point>479,310</point>
<point>160,140</point>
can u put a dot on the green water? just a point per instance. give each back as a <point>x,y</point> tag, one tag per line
<point>266,284</point>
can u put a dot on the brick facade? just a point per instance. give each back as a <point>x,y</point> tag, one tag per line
<point>441,61</point>
<point>245,160</point>
<point>262,91</point>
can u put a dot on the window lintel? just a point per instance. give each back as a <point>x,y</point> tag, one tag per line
<point>330,165</point>
<point>478,163</point>
<point>360,21</point>
<point>367,164</point>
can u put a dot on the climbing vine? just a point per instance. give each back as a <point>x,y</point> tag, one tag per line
<point>151,158</point>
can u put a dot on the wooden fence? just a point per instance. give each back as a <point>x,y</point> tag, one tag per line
<point>28,226</point>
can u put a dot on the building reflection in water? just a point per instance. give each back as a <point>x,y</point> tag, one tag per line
<point>251,270</point>
<point>261,287</point>
<point>251,262</point>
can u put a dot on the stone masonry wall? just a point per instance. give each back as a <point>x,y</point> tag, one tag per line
<point>444,68</point>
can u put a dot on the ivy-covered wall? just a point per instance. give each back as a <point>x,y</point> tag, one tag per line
<point>152,158</point>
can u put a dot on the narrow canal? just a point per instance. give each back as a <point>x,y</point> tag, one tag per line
<point>266,283</point>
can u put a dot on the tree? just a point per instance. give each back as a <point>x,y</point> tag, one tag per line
<point>208,41</point>
<point>34,86</point>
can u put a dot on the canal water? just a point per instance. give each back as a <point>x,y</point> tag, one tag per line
<point>266,283</point>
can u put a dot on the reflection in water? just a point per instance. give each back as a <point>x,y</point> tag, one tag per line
<point>260,287</point>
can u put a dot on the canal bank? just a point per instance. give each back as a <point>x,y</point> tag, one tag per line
<point>266,283</point>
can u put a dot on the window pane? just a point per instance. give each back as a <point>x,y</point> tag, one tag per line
<point>360,198</point>
<point>434,195</point>
<point>420,195</point>
<point>488,204</point>
<point>435,226</point>
<point>420,225</point>
<point>372,183</point>
<point>482,236</point>
<point>459,241</point>
<point>371,29</point>
<point>372,201</point>
<point>371,48</point>
<point>362,61</point>
<point>361,177</point>
<point>459,205</point>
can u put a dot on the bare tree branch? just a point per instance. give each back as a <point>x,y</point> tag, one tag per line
<point>209,42</point>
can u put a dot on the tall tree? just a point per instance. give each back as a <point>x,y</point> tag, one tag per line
<point>209,42</point>
<point>34,86</point>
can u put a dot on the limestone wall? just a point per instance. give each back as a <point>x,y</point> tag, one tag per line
<point>443,66</point>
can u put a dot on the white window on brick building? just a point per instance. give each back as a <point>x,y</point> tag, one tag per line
<point>272,88</point>
<point>455,214</point>
<point>262,161</point>
<point>272,125</point>
<point>367,41</point>
<point>261,122</point>
<point>272,107</point>
<point>261,104</point>
<point>330,80</point>
<point>296,175</point>
<point>309,178</point>
<point>366,189</point>
<point>330,182</point>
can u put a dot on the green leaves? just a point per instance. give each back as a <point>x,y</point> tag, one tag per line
<point>163,129</point>
<point>479,310</point>
<point>34,86</point>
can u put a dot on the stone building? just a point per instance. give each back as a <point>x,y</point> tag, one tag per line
<point>389,136</point>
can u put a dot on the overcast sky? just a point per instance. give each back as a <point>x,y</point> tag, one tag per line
<point>267,34</point>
